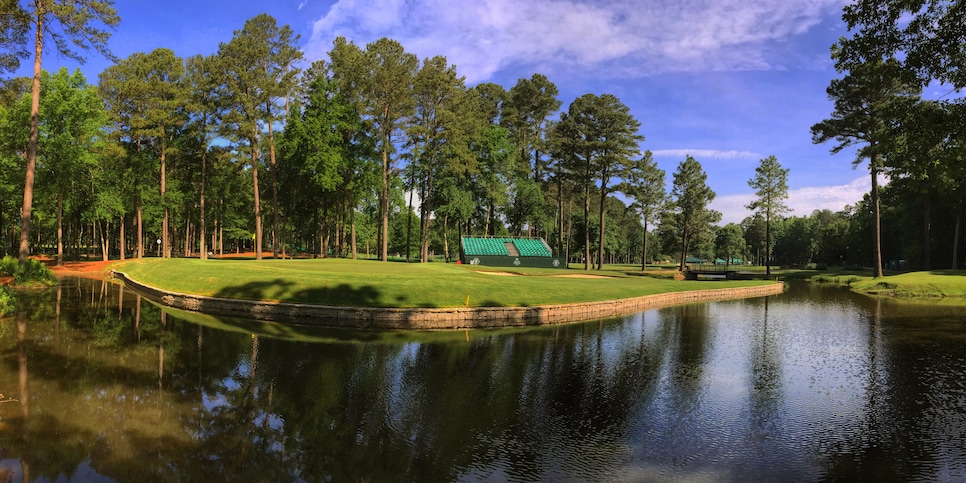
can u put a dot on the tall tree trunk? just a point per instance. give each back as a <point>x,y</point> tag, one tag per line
<point>60,228</point>
<point>165,242</point>
<point>105,241</point>
<point>352,224</point>
<point>570,233</point>
<point>140,216</point>
<point>271,158</point>
<point>384,196</point>
<point>258,208</point>
<point>122,243</point>
<point>586,229</point>
<point>684,250</point>
<point>445,240</point>
<point>644,250</point>
<point>28,187</point>
<point>201,201</point>
<point>426,208</point>
<point>877,219</point>
<point>600,243</point>
<point>337,252</point>
<point>409,225</point>
<point>767,245</point>
<point>560,214</point>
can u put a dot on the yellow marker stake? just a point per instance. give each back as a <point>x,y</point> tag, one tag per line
<point>467,300</point>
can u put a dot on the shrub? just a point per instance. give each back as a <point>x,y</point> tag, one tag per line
<point>835,279</point>
<point>8,304</point>
<point>31,272</point>
<point>8,266</point>
<point>34,272</point>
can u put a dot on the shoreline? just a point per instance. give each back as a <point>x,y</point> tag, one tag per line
<point>454,318</point>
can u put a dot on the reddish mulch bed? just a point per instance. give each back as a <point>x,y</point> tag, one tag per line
<point>100,269</point>
<point>90,269</point>
<point>85,268</point>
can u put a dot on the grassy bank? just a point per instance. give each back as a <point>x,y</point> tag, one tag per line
<point>376,284</point>
<point>931,284</point>
<point>935,283</point>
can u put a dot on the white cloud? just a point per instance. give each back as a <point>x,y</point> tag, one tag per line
<point>802,201</point>
<point>616,38</point>
<point>705,154</point>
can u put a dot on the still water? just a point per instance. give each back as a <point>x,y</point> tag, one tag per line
<point>99,384</point>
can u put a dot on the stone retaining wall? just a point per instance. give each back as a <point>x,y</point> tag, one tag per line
<point>432,318</point>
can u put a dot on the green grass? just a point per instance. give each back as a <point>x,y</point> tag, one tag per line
<point>936,283</point>
<point>932,284</point>
<point>376,284</point>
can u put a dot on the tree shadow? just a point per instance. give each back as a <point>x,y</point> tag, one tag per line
<point>341,295</point>
<point>257,290</point>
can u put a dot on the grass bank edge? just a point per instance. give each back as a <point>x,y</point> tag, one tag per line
<point>342,282</point>
<point>931,284</point>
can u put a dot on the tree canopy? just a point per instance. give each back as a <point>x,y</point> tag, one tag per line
<point>378,152</point>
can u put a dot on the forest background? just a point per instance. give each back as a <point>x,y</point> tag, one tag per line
<point>380,153</point>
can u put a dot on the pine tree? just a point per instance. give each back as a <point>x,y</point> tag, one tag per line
<point>771,187</point>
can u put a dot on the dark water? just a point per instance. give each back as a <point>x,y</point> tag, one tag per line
<point>815,384</point>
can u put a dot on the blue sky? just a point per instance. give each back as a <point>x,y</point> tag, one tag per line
<point>728,81</point>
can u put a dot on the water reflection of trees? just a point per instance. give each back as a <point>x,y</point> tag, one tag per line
<point>136,396</point>
<point>117,387</point>
<point>766,381</point>
<point>914,426</point>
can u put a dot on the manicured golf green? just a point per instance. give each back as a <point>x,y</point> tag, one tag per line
<point>947,284</point>
<point>344,282</point>
<point>935,283</point>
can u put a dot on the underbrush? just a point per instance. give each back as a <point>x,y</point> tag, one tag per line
<point>31,273</point>
<point>8,303</point>
<point>835,279</point>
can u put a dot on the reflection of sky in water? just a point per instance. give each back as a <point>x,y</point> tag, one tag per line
<point>213,401</point>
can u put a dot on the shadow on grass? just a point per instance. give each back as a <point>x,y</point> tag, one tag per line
<point>280,289</point>
<point>342,294</point>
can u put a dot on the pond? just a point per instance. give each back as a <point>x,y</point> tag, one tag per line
<point>99,384</point>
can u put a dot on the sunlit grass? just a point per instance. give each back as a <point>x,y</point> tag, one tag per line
<point>936,283</point>
<point>378,284</point>
<point>931,284</point>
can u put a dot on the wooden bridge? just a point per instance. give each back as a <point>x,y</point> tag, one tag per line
<point>712,271</point>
